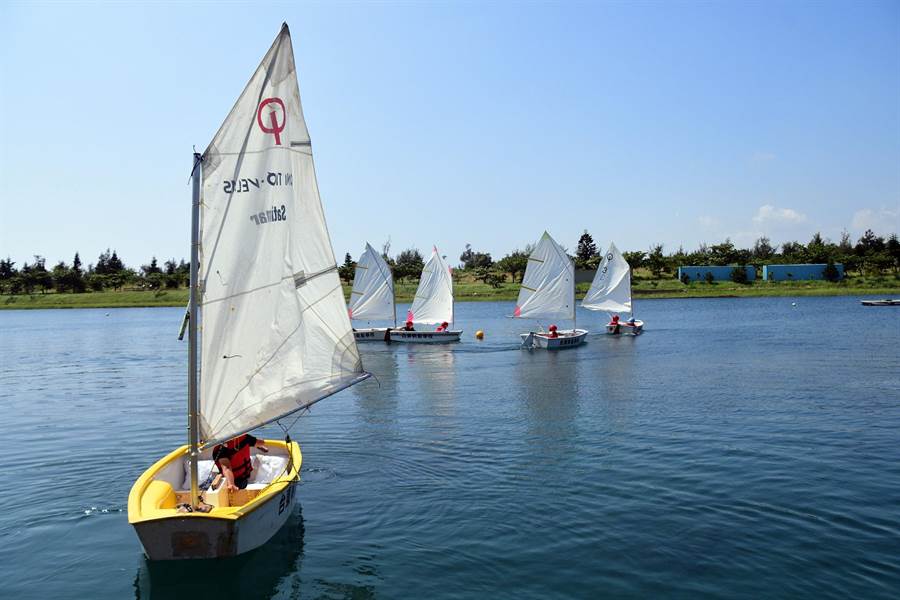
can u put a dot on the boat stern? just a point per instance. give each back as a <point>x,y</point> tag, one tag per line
<point>238,522</point>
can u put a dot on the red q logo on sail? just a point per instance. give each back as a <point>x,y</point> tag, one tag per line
<point>273,127</point>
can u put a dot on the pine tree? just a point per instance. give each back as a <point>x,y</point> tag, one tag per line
<point>77,276</point>
<point>346,271</point>
<point>586,251</point>
<point>115,264</point>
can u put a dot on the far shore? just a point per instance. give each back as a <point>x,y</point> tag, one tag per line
<point>479,292</point>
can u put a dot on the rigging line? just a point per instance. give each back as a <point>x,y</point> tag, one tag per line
<point>288,337</point>
<point>291,426</point>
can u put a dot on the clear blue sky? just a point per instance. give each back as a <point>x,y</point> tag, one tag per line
<point>447,123</point>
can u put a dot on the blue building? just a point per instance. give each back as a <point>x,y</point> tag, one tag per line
<point>798,272</point>
<point>718,273</point>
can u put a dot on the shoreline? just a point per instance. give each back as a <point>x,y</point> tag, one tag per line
<point>469,293</point>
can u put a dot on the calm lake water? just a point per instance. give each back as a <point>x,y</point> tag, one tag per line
<point>740,448</point>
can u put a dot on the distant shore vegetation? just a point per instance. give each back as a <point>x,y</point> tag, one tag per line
<point>871,265</point>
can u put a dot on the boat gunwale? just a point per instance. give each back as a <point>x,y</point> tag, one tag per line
<point>274,488</point>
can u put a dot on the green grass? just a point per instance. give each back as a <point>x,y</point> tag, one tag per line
<point>97,299</point>
<point>469,291</point>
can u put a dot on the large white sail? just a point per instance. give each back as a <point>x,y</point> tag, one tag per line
<point>611,289</point>
<point>434,297</point>
<point>548,288</point>
<point>275,335</point>
<point>372,297</point>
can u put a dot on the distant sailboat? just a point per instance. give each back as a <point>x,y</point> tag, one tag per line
<point>548,292</point>
<point>275,333</point>
<point>611,292</point>
<point>372,298</point>
<point>432,305</point>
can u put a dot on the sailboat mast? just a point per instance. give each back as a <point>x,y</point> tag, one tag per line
<point>452,302</point>
<point>574,309</point>
<point>574,302</point>
<point>193,396</point>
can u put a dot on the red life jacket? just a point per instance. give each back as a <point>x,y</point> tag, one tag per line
<point>240,461</point>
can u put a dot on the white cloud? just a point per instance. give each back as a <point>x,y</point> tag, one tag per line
<point>876,220</point>
<point>772,214</point>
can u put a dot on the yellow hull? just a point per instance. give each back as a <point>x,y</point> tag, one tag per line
<point>239,521</point>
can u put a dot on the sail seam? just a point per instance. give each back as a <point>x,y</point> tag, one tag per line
<point>291,277</point>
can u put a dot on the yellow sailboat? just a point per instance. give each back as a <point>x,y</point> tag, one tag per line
<point>268,330</point>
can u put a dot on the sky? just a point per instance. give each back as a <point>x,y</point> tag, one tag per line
<point>461,122</point>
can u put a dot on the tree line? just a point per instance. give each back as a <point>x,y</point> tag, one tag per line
<point>108,273</point>
<point>870,255</point>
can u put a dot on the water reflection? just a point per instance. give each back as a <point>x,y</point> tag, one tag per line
<point>547,386</point>
<point>430,371</point>
<point>616,378</point>
<point>376,399</point>
<point>257,574</point>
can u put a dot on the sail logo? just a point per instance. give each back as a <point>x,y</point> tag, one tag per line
<point>249,184</point>
<point>274,127</point>
<point>272,215</point>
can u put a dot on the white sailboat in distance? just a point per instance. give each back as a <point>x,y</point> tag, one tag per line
<point>611,292</point>
<point>548,293</point>
<point>372,298</point>
<point>275,333</point>
<point>432,305</point>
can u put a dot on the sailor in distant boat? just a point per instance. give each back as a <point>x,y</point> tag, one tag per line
<point>553,332</point>
<point>409,326</point>
<point>615,323</point>
<point>233,460</point>
<point>443,326</point>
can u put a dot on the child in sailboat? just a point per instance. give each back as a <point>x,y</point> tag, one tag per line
<point>553,332</point>
<point>233,460</point>
<point>443,326</point>
<point>614,323</point>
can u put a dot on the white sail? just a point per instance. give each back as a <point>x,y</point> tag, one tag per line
<point>434,297</point>
<point>611,289</point>
<point>275,335</point>
<point>372,297</point>
<point>548,288</point>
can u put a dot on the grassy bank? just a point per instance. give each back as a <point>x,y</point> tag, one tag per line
<point>468,291</point>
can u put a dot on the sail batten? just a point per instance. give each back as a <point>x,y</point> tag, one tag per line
<point>275,336</point>
<point>548,287</point>
<point>611,289</point>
